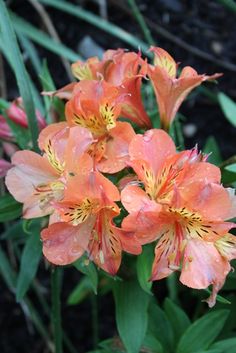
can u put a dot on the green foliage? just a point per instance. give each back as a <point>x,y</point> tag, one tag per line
<point>177,317</point>
<point>225,346</point>
<point>160,327</point>
<point>131,314</point>
<point>23,27</point>
<point>231,168</point>
<point>10,209</point>
<point>211,147</point>
<point>8,38</point>
<point>98,22</point>
<point>81,291</point>
<point>50,102</point>
<point>88,269</point>
<point>30,258</point>
<point>228,107</point>
<point>202,333</point>
<point>144,268</point>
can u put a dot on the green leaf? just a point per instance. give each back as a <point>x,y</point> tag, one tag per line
<point>159,326</point>
<point>99,22</point>
<point>23,27</point>
<point>6,271</point>
<point>211,351</point>
<point>32,53</point>
<point>131,314</point>
<point>201,334</point>
<point>80,292</point>
<point>111,345</point>
<point>144,268</point>
<point>211,146</point>
<point>231,168</point>
<point>29,261</point>
<point>10,209</point>
<point>177,317</point>
<point>228,107</point>
<point>152,345</point>
<point>89,270</point>
<point>15,231</point>
<point>21,134</point>
<point>219,298</point>
<point>12,48</point>
<point>4,104</point>
<point>49,85</point>
<point>225,346</point>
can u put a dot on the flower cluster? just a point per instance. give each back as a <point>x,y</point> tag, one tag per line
<point>172,198</point>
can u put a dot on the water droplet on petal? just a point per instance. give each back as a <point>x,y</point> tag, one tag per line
<point>127,198</point>
<point>47,243</point>
<point>148,136</point>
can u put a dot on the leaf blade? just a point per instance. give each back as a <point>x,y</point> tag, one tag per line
<point>29,262</point>
<point>131,314</point>
<point>11,46</point>
<point>201,334</point>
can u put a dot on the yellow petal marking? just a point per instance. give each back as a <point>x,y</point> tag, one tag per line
<point>80,212</point>
<point>53,159</point>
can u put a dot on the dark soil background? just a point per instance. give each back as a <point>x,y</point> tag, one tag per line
<point>204,25</point>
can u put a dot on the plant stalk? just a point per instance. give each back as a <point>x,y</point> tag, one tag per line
<point>56,309</point>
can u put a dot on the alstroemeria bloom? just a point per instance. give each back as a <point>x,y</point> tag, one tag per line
<point>5,131</point>
<point>96,105</point>
<point>184,207</point>
<point>171,91</point>
<point>37,180</point>
<point>16,113</point>
<point>121,69</point>
<point>86,215</point>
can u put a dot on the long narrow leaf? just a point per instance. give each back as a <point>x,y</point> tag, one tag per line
<point>6,271</point>
<point>98,22</point>
<point>31,52</point>
<point>39,37</point>
<point>11,46</point>
<point>29,261</point>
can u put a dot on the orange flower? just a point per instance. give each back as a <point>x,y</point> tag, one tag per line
<point>185,208</point>
<point>86,214</point>
<point>121,69</point>
<point>96,105</point>
<point>16,113</point>
<point>171,91</point>
<point>38,180</point>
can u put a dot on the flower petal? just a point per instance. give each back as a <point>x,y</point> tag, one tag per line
<point>116,154</point>
<point>211,200</point>
<point>167,257</point>
<point>153,147</point>
<point>202,266</point>
<point>64,243</point>
<point>30,171</point>
<point>135,199</point>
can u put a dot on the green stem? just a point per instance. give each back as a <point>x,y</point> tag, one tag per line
<point>94,306</point>
<point>56,308</point>
<point>141,22</point>
<point>172,287</point>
